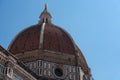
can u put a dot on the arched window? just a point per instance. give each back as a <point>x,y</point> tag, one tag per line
<point>46,20</point>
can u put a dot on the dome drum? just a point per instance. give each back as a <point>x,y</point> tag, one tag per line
<point>46,55</point>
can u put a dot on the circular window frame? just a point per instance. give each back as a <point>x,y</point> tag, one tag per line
<point>58,72</point>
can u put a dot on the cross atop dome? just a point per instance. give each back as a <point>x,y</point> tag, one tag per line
<point>45,7</point>
<point>45,16</point>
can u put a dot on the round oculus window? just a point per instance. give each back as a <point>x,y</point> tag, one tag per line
<point>58,72</point>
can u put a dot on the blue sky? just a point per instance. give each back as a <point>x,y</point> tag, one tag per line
<point>93,24</point>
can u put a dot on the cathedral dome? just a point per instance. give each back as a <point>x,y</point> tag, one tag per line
<point>43,36</point>
<point>40,41</point>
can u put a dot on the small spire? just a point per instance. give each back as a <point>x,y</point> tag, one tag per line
<point>45,16</point>
<point>45,7</point>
